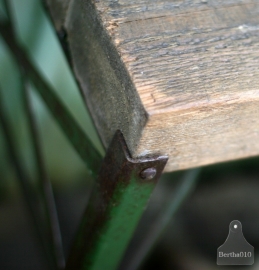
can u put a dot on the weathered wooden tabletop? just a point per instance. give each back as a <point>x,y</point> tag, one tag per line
<point>176,77</point>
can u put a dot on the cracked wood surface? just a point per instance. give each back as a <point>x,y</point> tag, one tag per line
<point>177,77</point>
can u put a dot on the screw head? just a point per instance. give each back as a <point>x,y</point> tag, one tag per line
<point>148,173</point>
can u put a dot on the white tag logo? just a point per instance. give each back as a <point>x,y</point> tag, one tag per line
<point>236,250</point>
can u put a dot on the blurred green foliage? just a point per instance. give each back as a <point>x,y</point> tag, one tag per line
<point>37,35</point>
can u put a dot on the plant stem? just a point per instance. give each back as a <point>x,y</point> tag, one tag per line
<point>25,185</point>
<point>44,183</point>
<point>76,136</point>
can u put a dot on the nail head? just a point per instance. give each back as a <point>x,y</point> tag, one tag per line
<point>148,173</point>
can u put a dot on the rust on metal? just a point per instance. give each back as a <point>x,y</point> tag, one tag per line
<point>119,173</point>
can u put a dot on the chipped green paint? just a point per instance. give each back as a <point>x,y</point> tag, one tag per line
<point>114,209</point>
<point>126,208</point>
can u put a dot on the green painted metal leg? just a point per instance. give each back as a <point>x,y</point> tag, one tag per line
<point>120,196</point>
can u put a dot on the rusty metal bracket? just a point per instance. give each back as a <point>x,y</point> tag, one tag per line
<point>118,200</point>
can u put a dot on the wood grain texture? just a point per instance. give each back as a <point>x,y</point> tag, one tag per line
<point>177,77</point>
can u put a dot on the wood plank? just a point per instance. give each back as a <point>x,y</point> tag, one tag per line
<point>177,77</point>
